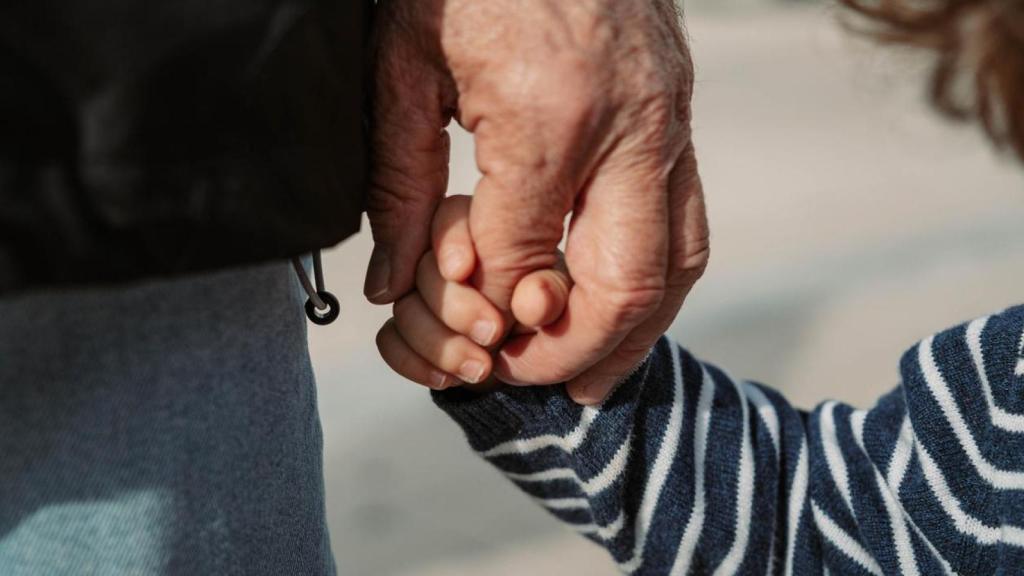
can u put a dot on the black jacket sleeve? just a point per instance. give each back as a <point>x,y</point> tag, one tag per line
<point>164,137</point>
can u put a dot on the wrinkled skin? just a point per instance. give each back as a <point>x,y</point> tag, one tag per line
<point>576,107</point>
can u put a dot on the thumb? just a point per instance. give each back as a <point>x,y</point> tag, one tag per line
<point>409,159</point>
<point>514,234</point>
<point>540,297</point>
<point>536,138</point>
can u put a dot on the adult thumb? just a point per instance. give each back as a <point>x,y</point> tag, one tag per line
<point>409,154</point>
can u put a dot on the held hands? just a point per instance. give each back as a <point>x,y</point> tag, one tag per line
<point>440,333</point>
<point>578,107</point>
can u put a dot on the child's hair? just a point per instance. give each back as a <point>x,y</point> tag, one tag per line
<point>979,44</point>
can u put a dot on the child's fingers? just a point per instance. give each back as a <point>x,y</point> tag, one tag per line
<point>540,298</point>
<point>451,239</point>
<point>459,306</point>
<point>402,359</point>
<point>437,344</point>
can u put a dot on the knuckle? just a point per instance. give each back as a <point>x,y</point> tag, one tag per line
<point>691,262</point>
<point>693,256</point>
<point>395,182</point>
<point>629,306</point>
<point>630,353</point>
<point>630,287</point>
<point>403,180</point>
<point>388,197</point>
<point>393,211</point>
<point>657,104</point>
<point>692,240</point>
<point>660,115</point>
<point>504,257</point>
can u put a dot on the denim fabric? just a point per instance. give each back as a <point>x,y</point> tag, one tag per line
<point>163,428</point>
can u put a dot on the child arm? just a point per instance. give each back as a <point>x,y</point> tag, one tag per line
<point>678,469</point>
<point>684,469</point>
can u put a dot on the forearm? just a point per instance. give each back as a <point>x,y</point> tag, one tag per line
<point>683,468</point>
<point>639,474</point>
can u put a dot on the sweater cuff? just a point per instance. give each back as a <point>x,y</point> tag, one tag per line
<point>491,418</point>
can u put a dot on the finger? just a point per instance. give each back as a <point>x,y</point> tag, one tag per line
<point>535,146</point>
<point>435,343</point>
<point>617,254</point>
<point>409,152</point>
<point>540,298</point>
<point>452,240</point>
<point>458,306</point>
<point>689,256</point>
<point>511,241</point>
<point>407,363</point>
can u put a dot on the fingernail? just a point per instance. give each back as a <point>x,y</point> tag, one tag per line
<point>483,332</point>
<point>438,380</point>
<point>452,262</point>
<point>590,394</point>
<point>471,371</point>
<point>503,371</point>
<point>378,275</point>
<point>579,395</point>
<point>584,399</point>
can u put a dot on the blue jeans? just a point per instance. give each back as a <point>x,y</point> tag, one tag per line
<point>163,428</point>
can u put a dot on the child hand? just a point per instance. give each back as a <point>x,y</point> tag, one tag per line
<point>440,334</point>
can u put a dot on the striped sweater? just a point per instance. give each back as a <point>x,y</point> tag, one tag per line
<point>686,470</point>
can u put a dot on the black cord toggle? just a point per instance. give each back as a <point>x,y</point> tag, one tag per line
<point>322,307</point>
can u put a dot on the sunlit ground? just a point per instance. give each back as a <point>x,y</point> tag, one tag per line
<point>847,222</point>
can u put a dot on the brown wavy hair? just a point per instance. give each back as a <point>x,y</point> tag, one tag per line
<point>979,48</point>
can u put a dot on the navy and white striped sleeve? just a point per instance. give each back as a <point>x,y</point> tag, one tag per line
<point>685,470</point>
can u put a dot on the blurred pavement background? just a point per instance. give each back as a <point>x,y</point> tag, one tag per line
<point>839,204</point>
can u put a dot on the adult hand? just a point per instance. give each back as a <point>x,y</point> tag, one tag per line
<point>576,107</point>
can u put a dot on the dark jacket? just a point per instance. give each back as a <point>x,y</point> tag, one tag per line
<point>144,138</point>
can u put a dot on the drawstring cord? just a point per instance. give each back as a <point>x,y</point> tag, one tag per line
<point>322,307</point>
